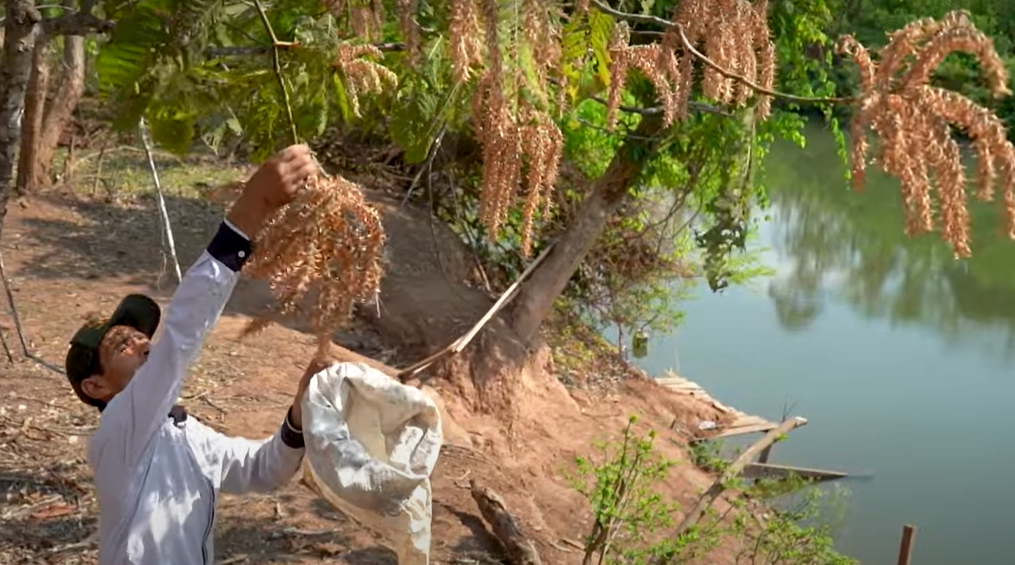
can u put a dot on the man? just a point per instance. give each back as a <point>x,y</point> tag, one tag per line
<point>157,472</point>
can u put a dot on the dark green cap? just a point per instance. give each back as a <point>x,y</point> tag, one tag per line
<point>135,310</point>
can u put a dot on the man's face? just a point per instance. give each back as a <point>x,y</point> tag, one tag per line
<point>121,353</point>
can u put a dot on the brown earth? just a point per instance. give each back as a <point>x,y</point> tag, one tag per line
<point>68,255</point>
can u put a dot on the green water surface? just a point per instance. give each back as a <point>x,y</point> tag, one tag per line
<point>901,357</point>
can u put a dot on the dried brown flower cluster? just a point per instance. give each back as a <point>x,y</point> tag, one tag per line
<point>362,75</point>
<point>465,34</point>
<point>325,245</point>
<point>512,120</point>
<point>735,37</point>
<point>912,121</point>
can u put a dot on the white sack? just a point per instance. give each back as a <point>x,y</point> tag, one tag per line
<point>372,444</point>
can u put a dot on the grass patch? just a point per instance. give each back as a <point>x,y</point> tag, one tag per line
<point>122,172</point>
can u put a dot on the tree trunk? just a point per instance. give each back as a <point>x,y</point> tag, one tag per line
<point>15,70</point>
<point>69,87</point>
<point>535,300</point>
<point>31,123</point>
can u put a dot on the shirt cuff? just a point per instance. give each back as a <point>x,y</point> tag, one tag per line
<point>233,227</point>
<point>230,246</point>
<point>291,435</point>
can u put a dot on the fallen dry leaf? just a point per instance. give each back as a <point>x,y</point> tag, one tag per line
<point>54,511</point>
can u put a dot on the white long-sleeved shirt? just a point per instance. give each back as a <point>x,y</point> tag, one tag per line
<point>158,474</point>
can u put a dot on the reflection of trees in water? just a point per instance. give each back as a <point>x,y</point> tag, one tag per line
<point>851,245</point>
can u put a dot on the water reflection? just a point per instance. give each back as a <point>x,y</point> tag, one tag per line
<point>849,246</point>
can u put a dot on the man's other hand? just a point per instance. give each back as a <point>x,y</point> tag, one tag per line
<point>316,366</point>
<point>273,185</point>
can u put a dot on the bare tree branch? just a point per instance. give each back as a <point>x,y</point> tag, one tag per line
<point>242,50</point>
<point>657,110</point>
<point>81,22</point>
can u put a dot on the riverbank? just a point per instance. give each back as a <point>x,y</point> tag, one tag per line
<point>70,253</point>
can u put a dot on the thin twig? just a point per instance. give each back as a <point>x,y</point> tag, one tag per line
<point>428,165</point>
<point>7,349</point>
<point>658,110</point>
<point>244,50</point>
<point>756,87</point>
<point>45,364</point>
<point>167,230</point>
<point>13,308</point>
<point>277,64</point>
<point>98,166</point>
<point>653,20</point>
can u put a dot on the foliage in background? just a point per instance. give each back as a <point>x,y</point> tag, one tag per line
<point>632,522</point>
<point>870,21</point>
<point>546,97</point>
<point>202,70</point>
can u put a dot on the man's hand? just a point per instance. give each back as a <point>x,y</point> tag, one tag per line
<point>271,187</point>
<point>316,366</point>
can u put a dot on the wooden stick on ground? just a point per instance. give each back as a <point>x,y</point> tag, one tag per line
<point>520,550</point>
<point>734,470</point>
<point>459,344</point>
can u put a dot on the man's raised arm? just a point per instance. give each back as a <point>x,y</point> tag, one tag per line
<point>196,305</point>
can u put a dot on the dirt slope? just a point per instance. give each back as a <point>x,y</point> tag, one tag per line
<point>69,256</point>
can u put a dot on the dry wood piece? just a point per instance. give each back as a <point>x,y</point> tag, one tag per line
<point>734,470</point>
<point>520,550</point>
<point>906,545</point>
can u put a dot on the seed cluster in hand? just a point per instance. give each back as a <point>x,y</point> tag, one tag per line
<point>321,254</point>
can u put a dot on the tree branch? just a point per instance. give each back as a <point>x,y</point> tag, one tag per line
<point>277,63</point>
<point>653,20</point>
<point>242,50</point>
<point>81,22</point>
<point>658,110</point>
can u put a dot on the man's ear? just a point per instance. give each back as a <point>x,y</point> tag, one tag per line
<point>96,387</point>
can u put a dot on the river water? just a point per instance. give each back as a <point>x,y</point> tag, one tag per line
<point>901,357</point>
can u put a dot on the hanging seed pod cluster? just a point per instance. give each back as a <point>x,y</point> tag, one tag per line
<point>913,121</point>
<point>320,254</point>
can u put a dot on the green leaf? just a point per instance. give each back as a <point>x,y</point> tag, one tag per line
<point>342,97</point>
<point>173,128</point>
<point>574,47</point>
<point>413,121</point>
<point>600,31</point>
<point>312,116</point>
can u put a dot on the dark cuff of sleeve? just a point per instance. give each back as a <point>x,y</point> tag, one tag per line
<point>291,435</point>
<point>230,248</point>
